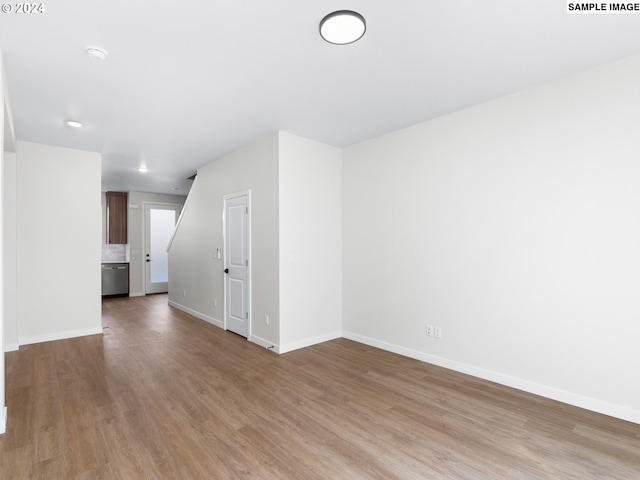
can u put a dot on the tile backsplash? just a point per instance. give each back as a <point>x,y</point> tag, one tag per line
<point>115,252</point>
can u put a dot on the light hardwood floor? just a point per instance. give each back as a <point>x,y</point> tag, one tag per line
<point>162,395</point>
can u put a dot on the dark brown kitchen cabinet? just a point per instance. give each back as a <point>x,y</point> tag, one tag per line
<point>116,217</point>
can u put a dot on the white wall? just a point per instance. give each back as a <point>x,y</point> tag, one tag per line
<point>295,241</point>
<point>514,226</point>
<point>10,246</point>
<point>195,276</point>
<point>3,417</point>
<point>58,249</point>
<point>103,208</point>
<point>310,241</point>
<point>135,235</point>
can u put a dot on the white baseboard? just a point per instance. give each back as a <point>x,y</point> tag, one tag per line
<point>261,341</point>
<point>11,347</point>
<point>617,411</point>
<point>50,337</point>
<point>214,321</point>
<point>136,294</point>
<point>3,420</point>
<point>307,342</point>
<point>264,343</point>
<point>201,316</point>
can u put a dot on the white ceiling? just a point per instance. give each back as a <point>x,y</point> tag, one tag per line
<point>186,82</point>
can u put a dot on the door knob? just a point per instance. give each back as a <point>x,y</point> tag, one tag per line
<point>226,270</point>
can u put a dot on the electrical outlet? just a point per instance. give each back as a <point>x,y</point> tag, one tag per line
<point>184,293</point>
<point>215,302</point>
<point>266,319</point>
<point>437,332</point>
<point>429,330</point>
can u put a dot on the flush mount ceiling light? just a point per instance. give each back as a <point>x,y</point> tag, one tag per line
<point>143,169</point>
<point>343,27</point>
<point>96,53</point>
<point>73,123</point>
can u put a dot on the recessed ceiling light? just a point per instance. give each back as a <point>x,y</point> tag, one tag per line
<point>174,188</point>
<point>96,53</point>
<point>143,169</point>
<point>73,123</point>
<point>343,27</point>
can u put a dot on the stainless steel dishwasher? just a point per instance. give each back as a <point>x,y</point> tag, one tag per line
<point>115,279</point>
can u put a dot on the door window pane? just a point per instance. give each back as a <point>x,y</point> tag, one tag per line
<point>161,225</point>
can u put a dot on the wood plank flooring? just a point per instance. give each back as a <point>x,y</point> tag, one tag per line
<point>162,395</point>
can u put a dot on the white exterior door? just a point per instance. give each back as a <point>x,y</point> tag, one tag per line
<point>160,223</point>
<point>236,256</point>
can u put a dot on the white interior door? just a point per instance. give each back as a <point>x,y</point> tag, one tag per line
<point>160,222</point>
<point>236,256</point>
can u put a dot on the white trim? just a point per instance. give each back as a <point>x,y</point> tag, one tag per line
<point>144,205</point>
<point>184,207</point>
<point>11,347</point>
<point>137,294</point>
<point>265,343</point>
<point>307,342</point>
<point>617,411</point>
<point>201,316</point>
<point>3,421</point>
<point>12,146</point>
<point>225,198</point>
<point>217,323</point>
<point>50,337</point>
